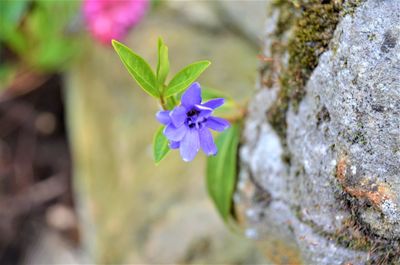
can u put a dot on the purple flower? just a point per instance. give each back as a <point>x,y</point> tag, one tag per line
<point>187,125</point>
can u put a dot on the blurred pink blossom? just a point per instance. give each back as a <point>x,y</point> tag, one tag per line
<point>111,19</point>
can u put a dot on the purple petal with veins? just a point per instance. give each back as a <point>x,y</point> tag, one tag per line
<point>214,103</point>
<point>203,111</point>
<point>192,96</point>
<point>174,145</point>
<point>175,133</point>
<point>163,117</point>
<point>178,116</point>
<point>190,145</point>
<point>207,142</point>
<point>217,124</point>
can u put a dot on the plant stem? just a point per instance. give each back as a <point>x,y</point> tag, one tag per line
<point>163,103</point>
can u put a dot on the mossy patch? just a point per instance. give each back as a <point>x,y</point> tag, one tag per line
<point>312,24</point>
<point>358,235</point>
<point>312,32</point>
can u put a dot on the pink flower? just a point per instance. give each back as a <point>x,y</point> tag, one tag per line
<point>111,19</point>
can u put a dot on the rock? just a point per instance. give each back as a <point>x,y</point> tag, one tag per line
<point>247,17</point>
<point>338,196</point>
<point>200,14</point>
<point>202,244</point>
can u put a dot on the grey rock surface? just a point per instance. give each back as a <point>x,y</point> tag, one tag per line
<point>247,17</point>
<point>344,144</point>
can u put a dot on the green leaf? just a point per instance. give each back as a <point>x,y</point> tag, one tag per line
<point>230,107</point>
<point>138,68</point>
<point>26,30</point>
<point>210,93</point>
<point>163,62</point>
<point>171,103</point>
<point>185,77</point>
<point>221,171</point>
<point>44,54</point>
<point>7,74</point>
<point>11,13</point>
<point>160,145</point>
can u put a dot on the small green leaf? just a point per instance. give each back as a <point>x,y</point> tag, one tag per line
<point>160,145</point>
<point>138,68</point>
<point>221,171</point>
<point>210,93</point>
<point>229,109</point>
<point>171,103</point>
<point>163,62</point>
<point>185,77</point>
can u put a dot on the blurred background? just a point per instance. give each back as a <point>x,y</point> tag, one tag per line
<point>77,179</point>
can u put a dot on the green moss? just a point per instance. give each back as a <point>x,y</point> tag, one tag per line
<point>312,32</point>
<point>287,16</point>
<point>350,236</point>
<point>358,138</point>
<point>350,6</point>
<point>371,37</point>
<point>356,234</point>
<point>312,23</point>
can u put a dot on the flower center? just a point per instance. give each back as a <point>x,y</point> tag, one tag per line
<point>193,120</point>
<point>192,113</point>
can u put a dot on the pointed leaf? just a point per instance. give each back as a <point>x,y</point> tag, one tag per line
<point>138,68</point>
<point>221,171</point>
<point>208,93</point>
<point>163,62</point>
<point>160,145</point>
<point>228,109</point>
<point>185,77</point>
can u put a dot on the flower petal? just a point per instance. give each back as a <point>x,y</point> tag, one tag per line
<point>207,142</point>
<point>175,133</point>
<point>190,145</point>
<point>192,96</point>
<point>178,116</point>
<point>163,117</point>
<point>214,103</point>
<point>204,112</point>
<point>174,145</point>
<point>217,124</point>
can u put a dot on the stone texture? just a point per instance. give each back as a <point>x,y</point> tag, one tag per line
<point>344,145</point>
<point>196,238</point>
<point>247,17</point>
